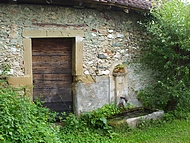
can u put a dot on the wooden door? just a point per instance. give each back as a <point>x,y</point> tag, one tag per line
<point>52,77</point>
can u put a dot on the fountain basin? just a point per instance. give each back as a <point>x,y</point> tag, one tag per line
<point>135,116</point>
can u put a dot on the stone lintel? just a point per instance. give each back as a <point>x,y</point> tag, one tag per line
<point>51,33</point>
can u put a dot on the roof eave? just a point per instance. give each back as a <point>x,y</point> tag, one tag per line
<point>116,5</point>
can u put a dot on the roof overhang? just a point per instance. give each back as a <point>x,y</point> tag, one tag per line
<point>138,5</point>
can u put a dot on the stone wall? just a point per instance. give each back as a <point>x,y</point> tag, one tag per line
<point>110,37</point>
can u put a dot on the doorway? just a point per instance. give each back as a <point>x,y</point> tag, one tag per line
<point>52,72</point>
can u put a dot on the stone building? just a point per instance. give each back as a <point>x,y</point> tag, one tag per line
<point>66,51</point>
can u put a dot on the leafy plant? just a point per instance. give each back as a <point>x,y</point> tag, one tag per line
<point>24,121</point>
<point>94,120</point>
<point>167,51</point>
<point>120,68</point>
<point>98,118</point>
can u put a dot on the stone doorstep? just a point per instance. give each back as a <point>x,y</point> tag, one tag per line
<point>133,122</point>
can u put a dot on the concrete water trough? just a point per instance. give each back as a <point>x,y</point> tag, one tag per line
<point>134,117</point>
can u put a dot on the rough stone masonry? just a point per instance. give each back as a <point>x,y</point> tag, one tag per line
<point>110,38</point>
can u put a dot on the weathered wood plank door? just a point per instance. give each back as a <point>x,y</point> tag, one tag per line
<point>52,77</point>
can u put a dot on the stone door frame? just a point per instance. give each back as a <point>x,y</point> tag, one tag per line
<point>77,54</point>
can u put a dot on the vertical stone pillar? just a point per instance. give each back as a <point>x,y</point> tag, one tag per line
<point>119,86</point>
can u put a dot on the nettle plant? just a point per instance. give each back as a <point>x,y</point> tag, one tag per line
<point>167,51</point>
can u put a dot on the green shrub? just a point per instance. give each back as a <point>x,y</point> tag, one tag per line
<point>95,120</point>
<point>167,52</point>
<point>24,121</point>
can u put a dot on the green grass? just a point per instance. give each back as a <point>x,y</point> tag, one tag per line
<point>177,131</point>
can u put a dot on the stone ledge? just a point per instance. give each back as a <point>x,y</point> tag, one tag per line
<point>20,81</point>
